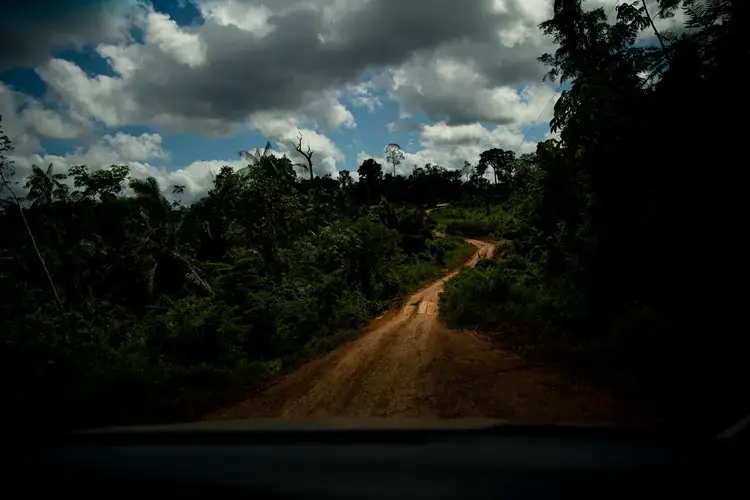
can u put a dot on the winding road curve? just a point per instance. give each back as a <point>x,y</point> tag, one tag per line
<point>408,364</point>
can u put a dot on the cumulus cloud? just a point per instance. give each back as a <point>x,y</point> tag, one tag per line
<point>363,95</point>
<point>186,48</point>
<point>254,62</point>
<point>295,55</point>
<point>431,87</point>
<point>197,177</point>
<point>136,148</point>
<point>450,145</point>
<point>26,120</point>
<point>470,68</point>
<point>327,112</point>
<point>138,153</point>
<point>284,129</point>
<point>102,98</point>
<point>456,61</point>
<point>248,17</point>
<point>120,149</point>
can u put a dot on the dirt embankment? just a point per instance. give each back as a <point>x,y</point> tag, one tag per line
<point>408,364</point>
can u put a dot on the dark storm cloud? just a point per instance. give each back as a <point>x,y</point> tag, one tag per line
<point>296,52</point>
<point>243,74</point>
<point>29,36</point>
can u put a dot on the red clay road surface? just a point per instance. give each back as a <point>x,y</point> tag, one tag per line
<point>408,364</point>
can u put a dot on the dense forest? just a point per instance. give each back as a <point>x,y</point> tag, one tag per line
<point>614,232</point>
<point>132,308</point>
<point>121,306</point>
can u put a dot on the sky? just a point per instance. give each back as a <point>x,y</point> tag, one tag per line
<point>175,88</point>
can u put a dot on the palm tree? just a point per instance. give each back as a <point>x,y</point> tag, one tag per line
<point>146,187</point>
<point>266,162</point>
<point>149,195</point>
<point>157,231</point>
<point>255,158</point>
<point>44,187</point>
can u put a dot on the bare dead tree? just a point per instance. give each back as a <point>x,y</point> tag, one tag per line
<point>308,154</point>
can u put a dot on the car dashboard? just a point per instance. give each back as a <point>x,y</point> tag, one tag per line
<point>413,460</point>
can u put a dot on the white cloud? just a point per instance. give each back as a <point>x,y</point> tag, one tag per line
<point>50,124</point>
<point>362,95</point>
<point>196,177</point>
<point>123,59</point>
<point>450,145</point>
<point>474,137</point>
<point>284,127</point>
<point>102,98</point>
<point>26,120</point>
<point>187,48</point>
<point>458,62</point>
<point>307,57</point>
<point>121,149</point>
<point>457,91</point>
<point>119,100</point>
<point>136,148</point>
<point>327,112</point>
<point>440,133</point>
<point>287,65</point>
<point>137,152</point>
<point>247,17</point>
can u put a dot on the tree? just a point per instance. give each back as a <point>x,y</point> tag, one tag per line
<point>370,172</point>
<point>500,161</point>
<point>178,190</point>
<point>394,156</point>
<point>467,170</point>
<point>255,158</point>
<point>105,183</point>
<point>6,171</point>
<point>45,186</point>
<point>306,154</point>
<point>345,179</point>
<point>146,187</point>
<point>481,186</point>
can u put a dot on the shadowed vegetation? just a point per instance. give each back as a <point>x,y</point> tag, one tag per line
<point>599,227</point>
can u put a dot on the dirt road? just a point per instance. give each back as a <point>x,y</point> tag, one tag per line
<point>407,364</point>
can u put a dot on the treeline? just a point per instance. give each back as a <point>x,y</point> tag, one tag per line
<point>614,233</point>
<point>131,308</point>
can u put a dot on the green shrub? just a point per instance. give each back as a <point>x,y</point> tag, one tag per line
<point>495,293</point>
<point>504,247</point>
<point>352,311</point>
<point>488,264</point>
<point>449,252</point>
